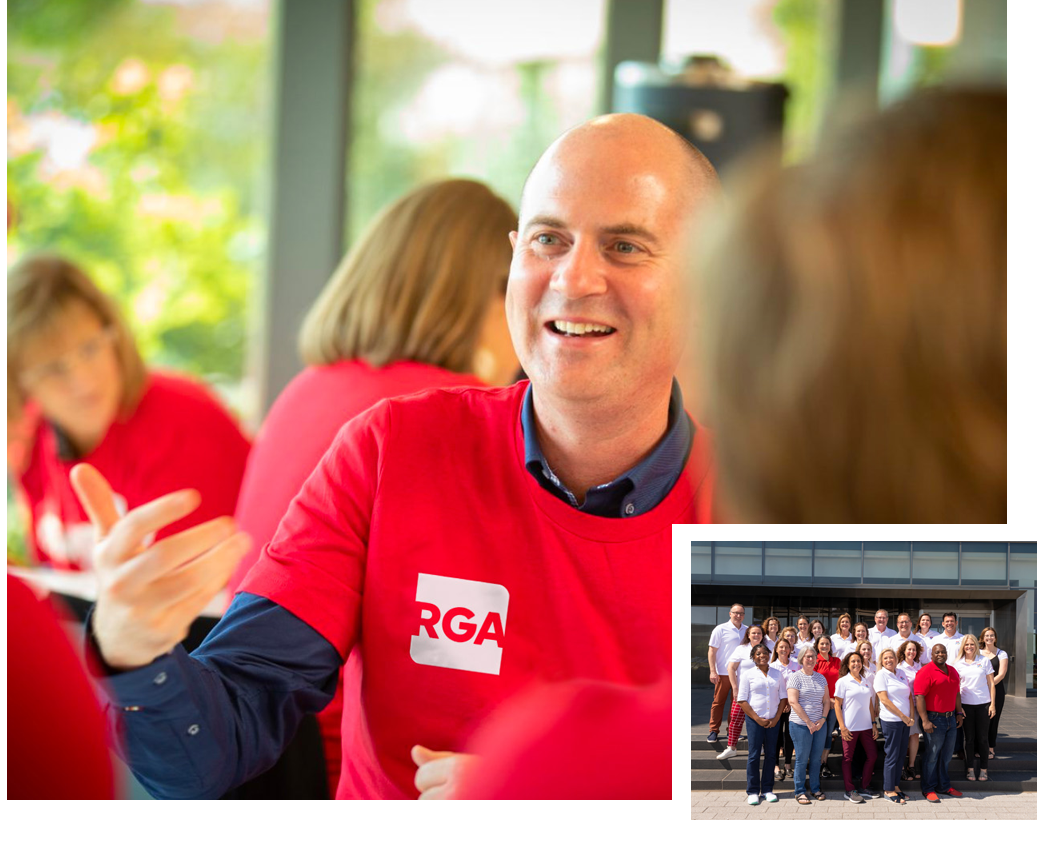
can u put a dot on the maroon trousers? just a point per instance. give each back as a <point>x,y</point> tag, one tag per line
<point>864,737</point>
<point>717,708</point>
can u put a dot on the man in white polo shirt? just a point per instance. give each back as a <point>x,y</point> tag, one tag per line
<point>905,632</point>
<point>723,642</point>
<point>950,638</point>
<point>880,632</point>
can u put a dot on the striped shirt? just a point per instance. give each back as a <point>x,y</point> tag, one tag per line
<point>812,691</point>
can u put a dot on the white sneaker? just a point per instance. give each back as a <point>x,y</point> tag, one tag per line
<point>752,799</point>
<point>771,797</point>
<point>727,753</point>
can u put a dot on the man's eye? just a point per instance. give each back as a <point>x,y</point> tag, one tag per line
<point>546,239</point>
<point>625,247</point>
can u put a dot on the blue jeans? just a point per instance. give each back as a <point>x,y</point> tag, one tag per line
<point>758,737</point>
<point>808,749</point>
<point>938,752</point>
<point>895,746</point>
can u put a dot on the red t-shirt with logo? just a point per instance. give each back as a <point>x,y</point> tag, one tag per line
<point>178,436</point>
<point>300,427</point>
<point>423,550</point>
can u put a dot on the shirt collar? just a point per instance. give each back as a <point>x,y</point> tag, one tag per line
<point>634,492</point>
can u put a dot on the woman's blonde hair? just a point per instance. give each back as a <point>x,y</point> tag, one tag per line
<point>40,288</point>
<point>417,284</point>
<point>855,325</point>
<point>964,642</point>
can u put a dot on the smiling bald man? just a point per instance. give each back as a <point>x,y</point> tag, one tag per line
<point>455,546</point>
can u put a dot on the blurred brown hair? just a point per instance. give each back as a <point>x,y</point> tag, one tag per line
<point>40,288</point>
<point>417,284</point>
<point>855,331</point>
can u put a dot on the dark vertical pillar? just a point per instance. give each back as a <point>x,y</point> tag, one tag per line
<point>311,104</point>
<point>634,34</point>
<point>860,48</point>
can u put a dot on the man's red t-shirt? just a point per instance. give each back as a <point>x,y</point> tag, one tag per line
<point>300,427</point>
<point>573,741</point>
<point>178,436</point>
<point>940,690</point>
<point>423,551</point>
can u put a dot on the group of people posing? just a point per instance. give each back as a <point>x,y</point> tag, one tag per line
<point>797,685</point>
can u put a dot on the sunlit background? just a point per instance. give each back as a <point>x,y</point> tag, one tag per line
<point>142,141</point>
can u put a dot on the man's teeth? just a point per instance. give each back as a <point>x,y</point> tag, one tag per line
<point>580,329</point>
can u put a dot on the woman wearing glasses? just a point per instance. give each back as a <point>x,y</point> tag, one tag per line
<point>78,391</point>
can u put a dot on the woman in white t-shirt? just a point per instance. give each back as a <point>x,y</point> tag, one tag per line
<point>771,626</point>
<point>762,697</point>
<point>853,709</point>
<point>999,661</point>
<point>910,664</point>
<point>925,631</point>
<point>786,664</point>
<point>803,638</point>
<point>740,662</point>
<point>861,632</point>
<point>894,690</point>
<point>843,639</point>
<point>977,700</point>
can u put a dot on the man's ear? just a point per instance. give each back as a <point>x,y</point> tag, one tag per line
<point>512,236</point>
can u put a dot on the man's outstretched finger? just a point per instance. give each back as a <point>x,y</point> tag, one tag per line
<point>127,536</point>
<point>96,498</point>
<point>171,554</point>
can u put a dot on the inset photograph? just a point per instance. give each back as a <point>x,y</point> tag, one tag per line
<point>840,678</point>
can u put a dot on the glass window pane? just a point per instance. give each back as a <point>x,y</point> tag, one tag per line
<point>789,562</point>
<point>887,563</point>
<point>1023,565</point>
<point>436,97</point>
<point>935,563</point>
<point>738,559</point>
<point>983,563</point>
<point>837,563</point>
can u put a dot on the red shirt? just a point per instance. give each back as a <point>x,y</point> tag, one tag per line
<point>939,690</point>
<point>423,550</point>
<point>300,427</point>
<point>56,741</point>
<point>179,436</point>
<point>830,670</point>
<point>558,743</point>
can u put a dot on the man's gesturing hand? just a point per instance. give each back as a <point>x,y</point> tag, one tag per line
<point>440,773</point>
<point>150,595</point>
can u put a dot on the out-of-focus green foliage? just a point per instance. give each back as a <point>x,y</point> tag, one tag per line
<point>136,146</point>
<point>164,210</point>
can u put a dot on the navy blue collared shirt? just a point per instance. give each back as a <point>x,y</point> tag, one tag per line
<point>634,492</point>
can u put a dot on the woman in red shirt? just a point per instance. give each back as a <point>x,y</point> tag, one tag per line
<point>828,666</point>
<point>78,391</point>
<point>417,303</point>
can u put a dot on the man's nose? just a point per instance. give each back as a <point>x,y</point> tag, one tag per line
<point>580,273</point>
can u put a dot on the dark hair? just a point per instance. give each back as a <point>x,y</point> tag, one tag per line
<point>781,640</point>
<point>949,614</point>
<point>817,644</point>
<point>901,650</point>
<point>747,634</point>
<point>844,667</point>
<point>759,646</point>
<point>819,623</point>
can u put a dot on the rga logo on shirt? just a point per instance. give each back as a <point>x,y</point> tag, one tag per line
<point>461,624</point>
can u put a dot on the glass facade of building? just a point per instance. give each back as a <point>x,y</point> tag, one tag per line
<point>986,584</point>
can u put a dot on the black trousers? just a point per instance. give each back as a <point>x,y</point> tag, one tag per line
<point>999,703</point>
<point>784,738</point>
<point>976,731</point>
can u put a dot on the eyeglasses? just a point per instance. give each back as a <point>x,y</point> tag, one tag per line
<point>59,370</point>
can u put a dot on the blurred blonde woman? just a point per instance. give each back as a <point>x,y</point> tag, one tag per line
<point>416,304</point>
<point>855,324</point>
<point>78,391</point>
